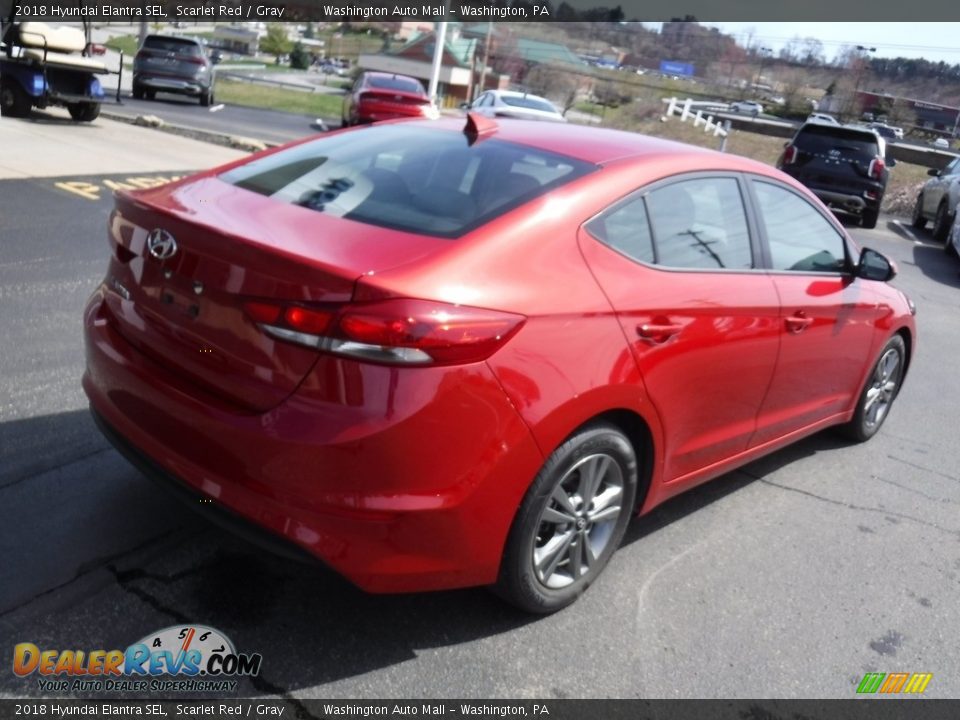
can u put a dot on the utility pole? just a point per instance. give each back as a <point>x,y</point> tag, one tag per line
<point>486,60</point>
<point>764,53</point>
<point>863,66</point>
<point>441,41</point>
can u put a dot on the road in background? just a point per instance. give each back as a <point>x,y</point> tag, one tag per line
<point>789,578</point>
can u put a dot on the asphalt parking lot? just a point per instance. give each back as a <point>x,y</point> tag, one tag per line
<point>790,578</point>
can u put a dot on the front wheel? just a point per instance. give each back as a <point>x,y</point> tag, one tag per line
<point>206,99</point>
<point>881,390</point>
<point>84,112</point>
<point>570,522</point>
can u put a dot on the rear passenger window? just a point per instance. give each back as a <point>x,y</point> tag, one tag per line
<point>626,230</point>
<point>700,223</point>
<point>800,238</point>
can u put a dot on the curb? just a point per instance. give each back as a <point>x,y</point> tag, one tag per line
<point>209,136</point>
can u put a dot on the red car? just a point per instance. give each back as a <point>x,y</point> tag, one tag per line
<point>377,96</point>
<point>437,356</point>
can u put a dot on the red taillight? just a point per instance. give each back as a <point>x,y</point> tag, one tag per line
<point>877,166</point>
<point>444,333</point>
<point>292,317</point>
<point>401,331</point>
<point>790,155</point>
<point>194,60</point>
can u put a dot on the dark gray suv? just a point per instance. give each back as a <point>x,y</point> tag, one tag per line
<point>167,63</point>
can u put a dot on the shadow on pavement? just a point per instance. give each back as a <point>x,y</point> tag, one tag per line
<point>311,626</point>
<point>934,262</point>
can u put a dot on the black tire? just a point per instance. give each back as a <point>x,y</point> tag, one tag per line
<point>84,112</point>
<point>150,94</point>
<point>869,217</point>
<point>919,222</point>
<point>942,223</point>
<point>603,458</point>
<point>137,92</point>
<point>881,390</point>
<point>14,101</point>
<point>206,99</point>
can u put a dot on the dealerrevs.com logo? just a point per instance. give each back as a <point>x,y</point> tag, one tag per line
<point>176,659</point>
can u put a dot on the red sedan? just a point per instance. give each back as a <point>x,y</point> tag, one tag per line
<point>379,96</point>
<point>434,355</point>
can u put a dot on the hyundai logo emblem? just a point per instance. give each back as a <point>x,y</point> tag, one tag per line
<point>161,244</point>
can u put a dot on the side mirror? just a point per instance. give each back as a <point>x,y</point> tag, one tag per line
<point>464,106</point>
<point>875,266</point>
<point>933,172</point>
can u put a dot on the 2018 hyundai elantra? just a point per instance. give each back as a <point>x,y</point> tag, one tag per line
<point>435,354</point>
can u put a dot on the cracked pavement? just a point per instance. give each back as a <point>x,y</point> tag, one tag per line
<point>789,578</point>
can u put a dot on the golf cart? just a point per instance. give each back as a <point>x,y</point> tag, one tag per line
<point>42,66</point>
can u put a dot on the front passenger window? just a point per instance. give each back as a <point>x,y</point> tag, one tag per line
<point>800,238</point>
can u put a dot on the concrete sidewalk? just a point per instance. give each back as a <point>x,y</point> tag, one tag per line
<point>50,144</point>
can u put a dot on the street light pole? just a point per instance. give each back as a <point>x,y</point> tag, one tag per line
<point>860,71</point>
<point>764,54</point>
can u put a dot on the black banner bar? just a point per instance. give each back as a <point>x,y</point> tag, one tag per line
<point>876,709</point>
<point>482,10</point>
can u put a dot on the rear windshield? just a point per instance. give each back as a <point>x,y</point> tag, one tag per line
<point>403,84</point>
<point>408,178</point>
<point>528,102</point>
<point>815,138</point>
<point>169,44</point>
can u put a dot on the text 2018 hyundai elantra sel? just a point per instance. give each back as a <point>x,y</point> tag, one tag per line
<point>435,354</point>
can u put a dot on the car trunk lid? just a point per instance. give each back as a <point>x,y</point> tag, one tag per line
<point>185,308</point>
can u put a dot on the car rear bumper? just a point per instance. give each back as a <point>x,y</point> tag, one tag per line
<point>400,480</point>
<point>167,84</point>
<point>846,201</point>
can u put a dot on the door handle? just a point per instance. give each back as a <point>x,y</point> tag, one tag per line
<point>658,333</point>
<point>798,322</point>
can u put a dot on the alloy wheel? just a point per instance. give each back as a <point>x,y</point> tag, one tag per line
<point>882,390</point>
<point>578,521</point>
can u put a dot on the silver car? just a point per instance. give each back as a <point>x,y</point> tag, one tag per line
<point>509,103</point>
<point>937,200</point>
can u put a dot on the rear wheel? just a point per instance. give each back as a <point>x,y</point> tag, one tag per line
<point>868,219</point>
<point>14,102</point>
<point>919,221</point>
<point>137,92</point>
<point>149,94</point>
<point>941,223</point>
<point>570,522</point>
<point>84,112</point>
<point>881,390</point>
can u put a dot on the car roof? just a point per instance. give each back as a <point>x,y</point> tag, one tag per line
<point>598,145</point>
